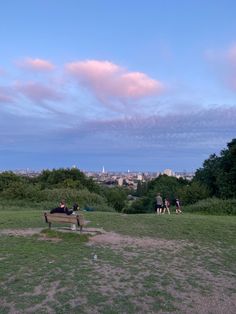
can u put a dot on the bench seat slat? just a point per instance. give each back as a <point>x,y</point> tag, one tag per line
<point>62,219</point>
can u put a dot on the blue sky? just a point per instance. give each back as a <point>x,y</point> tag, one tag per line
<point>139,85</point>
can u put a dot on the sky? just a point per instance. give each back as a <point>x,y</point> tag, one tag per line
<point>129,85</point>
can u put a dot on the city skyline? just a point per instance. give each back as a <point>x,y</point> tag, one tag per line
<point>139,85</point>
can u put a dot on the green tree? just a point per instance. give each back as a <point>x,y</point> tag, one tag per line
<point>219,173</point>
<point>192,193</point>
<point>208,174</point>
<point>7,178</point>
<point>116,197</point>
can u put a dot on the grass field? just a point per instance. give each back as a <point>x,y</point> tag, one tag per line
<point>145,264</point>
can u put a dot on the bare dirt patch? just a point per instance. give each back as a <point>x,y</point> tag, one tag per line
<point>20,232</point>
<point>34,231</point>
<point>117,241</point>
<point>169,267</point>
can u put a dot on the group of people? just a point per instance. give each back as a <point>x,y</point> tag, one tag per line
<point>164,205</point>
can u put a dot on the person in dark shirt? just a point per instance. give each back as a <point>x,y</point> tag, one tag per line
<point>61,209</point>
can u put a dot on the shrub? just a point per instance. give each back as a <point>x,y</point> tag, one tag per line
<point>140,206</point>
<point>116,197</point>
<point>193,192</point>
<point>213,206</point>
<point>82,197</point>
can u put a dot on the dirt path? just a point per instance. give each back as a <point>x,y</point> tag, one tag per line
<point>33,231</point>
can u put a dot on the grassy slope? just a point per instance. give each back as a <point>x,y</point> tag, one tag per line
<point>125,279</point>
<point>208,229</point>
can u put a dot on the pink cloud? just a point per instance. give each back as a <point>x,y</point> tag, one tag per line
<point>108,80</point>
<point>36,64</point>
<point>38,92</point>
<point>231,55</point>
<point>224,62</point>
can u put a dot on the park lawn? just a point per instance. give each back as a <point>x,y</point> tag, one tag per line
<point>145,264</point>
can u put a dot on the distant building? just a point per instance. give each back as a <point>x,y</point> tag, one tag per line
<point>169,172</point>
<point>140,177</point>
<point>120,181</point>
<point>185,175</point>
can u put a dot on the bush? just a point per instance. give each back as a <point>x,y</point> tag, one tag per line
<point>192,193</point>
<point>82,197</point>
<point>116,197</point>
<point>21,190</point>
<point>213,206</point>
<point>140,206</point>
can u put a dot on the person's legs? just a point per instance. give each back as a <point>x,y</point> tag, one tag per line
<point>73,226</point>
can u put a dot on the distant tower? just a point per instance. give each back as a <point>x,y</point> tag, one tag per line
<point>103,169</point>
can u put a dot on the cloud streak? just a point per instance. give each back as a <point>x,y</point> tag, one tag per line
<point>231,55</point>
<point>36,64</point>
<point>6,95</point>
<point>38,92</point>
<point>202,130</point>
<point>225,62</point>
<point>152,140</point>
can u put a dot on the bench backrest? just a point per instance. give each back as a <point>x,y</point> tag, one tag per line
<point>63,218</point>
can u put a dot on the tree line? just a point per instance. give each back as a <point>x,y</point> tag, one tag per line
<point>215,179</point>
<point>53,185</point>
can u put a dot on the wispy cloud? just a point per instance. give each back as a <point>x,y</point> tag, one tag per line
<point>139,140</point>
<point>36,64</point>
<point>192,132</point>
<point>38,92</point>
<point>231,54</point>
<point>6,95</point>
<point>224,61</point>
<point>109,81</point>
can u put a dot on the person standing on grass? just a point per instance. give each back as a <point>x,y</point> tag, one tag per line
<point>159,203</point>
<point>177,206</point>
<point>166,205</point>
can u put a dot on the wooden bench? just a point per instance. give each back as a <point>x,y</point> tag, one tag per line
<point>77,219</point>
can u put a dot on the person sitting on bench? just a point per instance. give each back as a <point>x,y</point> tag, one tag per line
<point>62,209</point>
